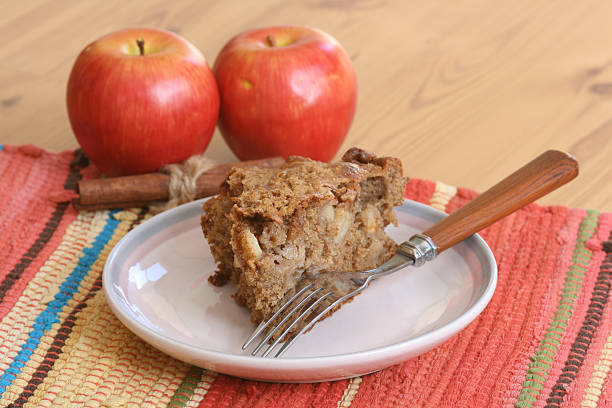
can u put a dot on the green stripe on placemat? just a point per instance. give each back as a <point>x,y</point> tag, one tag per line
<point>185,390</point>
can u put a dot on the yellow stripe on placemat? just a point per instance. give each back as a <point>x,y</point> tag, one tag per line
<point>126,219</point>
<point>18,323</point>
<point>104,364</point>
<point>442,195</point>
<point>350,392</point>
<point>600,372</point>
<point>108,365</point>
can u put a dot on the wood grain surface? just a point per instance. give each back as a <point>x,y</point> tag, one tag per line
<point>464,92</point>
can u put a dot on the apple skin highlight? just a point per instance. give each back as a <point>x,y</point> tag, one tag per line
<point>134,113</point>
<point>287,90</point>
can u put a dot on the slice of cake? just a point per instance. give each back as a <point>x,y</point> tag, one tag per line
<point>269,228</point>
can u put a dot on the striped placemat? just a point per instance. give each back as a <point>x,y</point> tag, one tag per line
<point>545,340</point>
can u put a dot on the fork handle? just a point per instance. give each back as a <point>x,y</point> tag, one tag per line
<point>545,173</point>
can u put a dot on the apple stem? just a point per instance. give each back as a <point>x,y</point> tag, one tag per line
<point>271,40</point>
<point>140,42</point>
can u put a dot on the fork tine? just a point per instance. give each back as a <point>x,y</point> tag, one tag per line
<point>296,321</point>
<point>304,308</point>
<point>304,329</point>
<point>262,326</point>
<point>270,332</point>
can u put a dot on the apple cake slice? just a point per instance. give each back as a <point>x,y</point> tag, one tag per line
<point>271,228</point>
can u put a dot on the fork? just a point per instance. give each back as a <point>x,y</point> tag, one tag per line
<point>545,173</point>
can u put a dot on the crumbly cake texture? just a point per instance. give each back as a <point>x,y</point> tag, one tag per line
<point>271,228</point>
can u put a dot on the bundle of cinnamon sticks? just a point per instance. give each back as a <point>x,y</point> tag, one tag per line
<point>144,189</point>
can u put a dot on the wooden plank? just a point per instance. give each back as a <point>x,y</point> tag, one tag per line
<point>464,92</point>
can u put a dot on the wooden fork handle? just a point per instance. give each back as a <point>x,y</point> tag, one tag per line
<point>545,173</point>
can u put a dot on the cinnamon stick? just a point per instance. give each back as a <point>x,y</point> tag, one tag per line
<point>144,189</point>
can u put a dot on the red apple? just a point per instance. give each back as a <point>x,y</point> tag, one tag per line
<point>287,90</point>
<point>141,98</point>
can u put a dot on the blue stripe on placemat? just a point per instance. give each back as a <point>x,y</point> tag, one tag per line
<point>67,289</point>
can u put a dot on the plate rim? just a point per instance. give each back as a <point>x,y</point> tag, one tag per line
<point>260,363</point>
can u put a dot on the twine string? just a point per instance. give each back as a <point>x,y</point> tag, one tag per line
<point>183,178</point>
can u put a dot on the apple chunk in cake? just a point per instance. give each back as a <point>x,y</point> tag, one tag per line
<point>271,228</point>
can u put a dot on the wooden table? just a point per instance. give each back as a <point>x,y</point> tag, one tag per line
<point>464,92</point>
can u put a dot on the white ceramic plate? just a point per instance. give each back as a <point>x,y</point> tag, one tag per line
<point>155,281</point>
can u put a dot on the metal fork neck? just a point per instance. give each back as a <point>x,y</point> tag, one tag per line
<point>420,248</point>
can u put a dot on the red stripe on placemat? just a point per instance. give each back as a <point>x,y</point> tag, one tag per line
<point>513,361</point>
<point>519,242</point>
<point>233,392</point>
<point>419,190</point>
<point>478,335</point>
<point>21,180</point>
<point>511,342</point>
<point>463,196</point>
<point>39,221</point>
